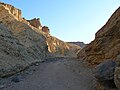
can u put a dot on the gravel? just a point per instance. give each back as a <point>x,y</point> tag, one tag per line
<point>56,74</point>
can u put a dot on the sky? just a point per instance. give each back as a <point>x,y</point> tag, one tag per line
<point>69,20</point>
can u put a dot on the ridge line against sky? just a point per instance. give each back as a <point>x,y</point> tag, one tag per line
<point>69,20</point>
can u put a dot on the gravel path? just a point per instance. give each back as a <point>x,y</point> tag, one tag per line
<point>59,74</point>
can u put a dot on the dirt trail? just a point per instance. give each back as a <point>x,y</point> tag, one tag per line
<point>59,74</point>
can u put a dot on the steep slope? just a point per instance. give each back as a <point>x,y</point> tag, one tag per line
<point>106,44</point>
<point>13,55</point>
<point>22,43</point>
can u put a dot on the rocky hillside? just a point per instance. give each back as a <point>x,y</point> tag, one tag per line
<point>106,44</point>
<point>23,42</point>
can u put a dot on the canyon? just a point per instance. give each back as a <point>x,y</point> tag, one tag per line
<point>23,42</point>
<point>29,52</point>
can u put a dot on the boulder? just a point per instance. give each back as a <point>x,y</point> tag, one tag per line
<point>105,70</point>
<point>104,73</point>
<point>117,73</point>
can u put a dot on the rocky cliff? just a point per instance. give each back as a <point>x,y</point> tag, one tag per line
<point>14,11</point>
<point>22,42</point>
<point>106,44</point>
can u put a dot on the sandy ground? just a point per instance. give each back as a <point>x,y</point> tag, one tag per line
<point>54,74</point>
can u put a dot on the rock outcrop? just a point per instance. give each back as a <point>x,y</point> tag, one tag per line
<point>22,43</point>
<point>106,44</point>
<point>45,29</point>
<point>35,23</point>
<point>14,11</point>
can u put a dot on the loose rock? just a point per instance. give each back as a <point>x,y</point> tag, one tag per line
<point>104,72</point>
<point>16,79</point>
<point>117,73</point>
<point>1,86</point>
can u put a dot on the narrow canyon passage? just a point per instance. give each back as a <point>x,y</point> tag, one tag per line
<point>59,74</point>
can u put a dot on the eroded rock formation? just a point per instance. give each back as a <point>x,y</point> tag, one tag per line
<point>14,11</point>
<point>106,44</point>
<point>35,23</point>
<point>45,29</point>
<point>22,44</point>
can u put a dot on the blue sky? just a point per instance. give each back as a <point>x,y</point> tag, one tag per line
<point>69,20</point>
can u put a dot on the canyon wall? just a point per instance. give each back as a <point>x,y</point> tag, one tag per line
<point>106,44</point>
<point>23,43</point>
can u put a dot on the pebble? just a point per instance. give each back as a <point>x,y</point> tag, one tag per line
<point>30,73</point>
<point>37,64</point>
<point>16,79</point>
<point>2,86</point>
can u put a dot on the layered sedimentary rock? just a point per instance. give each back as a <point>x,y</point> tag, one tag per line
<point>22,44</point>
<point>106,44</point>
<point>14,56</point>
<point>14,11</point>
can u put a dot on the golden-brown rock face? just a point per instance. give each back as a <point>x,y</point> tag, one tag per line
<point>35,23</point>
<point>106,44</point>
<point>20,44</point>
<point>60,48</point>
<point>23,43</point>
<point>15,12</point>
